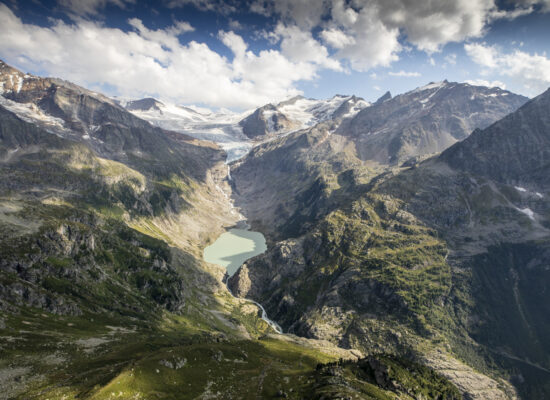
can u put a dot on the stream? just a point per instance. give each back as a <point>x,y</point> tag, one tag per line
<point>232,249</point>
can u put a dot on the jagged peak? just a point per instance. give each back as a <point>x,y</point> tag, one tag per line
<point>383,98</point>
<point>145,104</point>
<point>292,100</point>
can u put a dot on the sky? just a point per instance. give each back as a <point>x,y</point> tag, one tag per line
<point>238,55</point>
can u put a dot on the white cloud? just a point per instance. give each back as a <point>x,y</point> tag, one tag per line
<point>336,39</point>
<point>147,62</point>
<point>90,7</point>
<point>235,25</point>
<point>366,32</point>
<point>373,43</point>
<point>543,5</point>
<point>429,25</point>
<point>483,82</point>
<point>450,58</point>
<point>405,74</point>
<point>482,54</point>
<point>300,46</point>
<point>358,36</point>
<point>530,71</point>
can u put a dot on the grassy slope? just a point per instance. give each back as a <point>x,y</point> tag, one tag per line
<point>99,299</point>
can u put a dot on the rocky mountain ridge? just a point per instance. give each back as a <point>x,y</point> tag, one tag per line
<point>426,120</point>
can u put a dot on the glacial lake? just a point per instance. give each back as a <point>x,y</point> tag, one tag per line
<point>233,248</point>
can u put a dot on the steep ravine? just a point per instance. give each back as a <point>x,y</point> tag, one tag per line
<point>322,284</point>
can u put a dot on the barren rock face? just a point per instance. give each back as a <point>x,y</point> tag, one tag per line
<point>471,383</point>
<point>240,283</point>
<point>426,120</point>
<point>266,120</point>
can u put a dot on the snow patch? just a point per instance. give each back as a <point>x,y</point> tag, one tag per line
<point>358,106</point>
<point>520,189</point>
<point>539,195</point>
<point>30,113</point>
<point>309,112</point>
<point>527,211</point>
<point>19,84</point>
<point>268,116</point>
<point>221,127</point>
<point>430,86</point>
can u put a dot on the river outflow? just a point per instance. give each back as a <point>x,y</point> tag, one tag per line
<point>232,249</point>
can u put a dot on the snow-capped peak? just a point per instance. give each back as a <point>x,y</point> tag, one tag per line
<point>431,86</point>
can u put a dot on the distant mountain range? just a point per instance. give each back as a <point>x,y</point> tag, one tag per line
<point>424,121</point>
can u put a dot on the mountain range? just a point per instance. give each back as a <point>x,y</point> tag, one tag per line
<point>408,245</point>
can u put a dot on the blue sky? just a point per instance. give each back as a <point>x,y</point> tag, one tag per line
<point>242,54</point>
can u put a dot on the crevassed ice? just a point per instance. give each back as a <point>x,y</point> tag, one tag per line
<point>30,113</point>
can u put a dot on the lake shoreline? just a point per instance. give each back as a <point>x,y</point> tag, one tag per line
<point>231,250</point>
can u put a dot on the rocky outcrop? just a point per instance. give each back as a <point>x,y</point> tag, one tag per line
<point>383,98</point>
<point>514,150</point>
<point>426,120</point>
<point>144,105</point>
<point>240,283</point>
<point>266,120</point>
<point>472,384</point>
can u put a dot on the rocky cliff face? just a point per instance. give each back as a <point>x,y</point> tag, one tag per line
<point>426,120</point>
<point>515,149</point>
<point>266,120</point>
<point>144,105</point>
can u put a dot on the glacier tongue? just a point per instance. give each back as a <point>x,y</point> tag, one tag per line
<point>221,128</point>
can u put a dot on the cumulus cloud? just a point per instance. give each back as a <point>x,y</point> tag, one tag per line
<point>304,13</point>
<point>300,46</point>
<point>483,82</point>
<point>405,74</point>
<point>370,43</point>
<point>482,54</point>
<point>146,62</point>
<point>336,38</point>
<point>450,59</point>
<point>366,32</point>
<point>530,71</point>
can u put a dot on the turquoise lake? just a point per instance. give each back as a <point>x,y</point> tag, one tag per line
<point>233,248</point>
